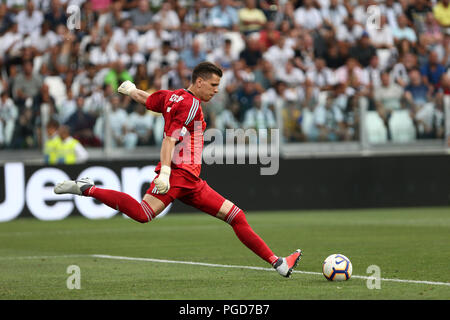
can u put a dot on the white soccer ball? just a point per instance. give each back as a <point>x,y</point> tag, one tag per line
<point>337,267</point>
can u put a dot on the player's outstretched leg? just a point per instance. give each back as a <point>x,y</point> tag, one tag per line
<point>141,212</point>
<point>284,266</point>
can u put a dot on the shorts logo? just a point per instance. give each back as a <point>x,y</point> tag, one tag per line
<point>155,190</point>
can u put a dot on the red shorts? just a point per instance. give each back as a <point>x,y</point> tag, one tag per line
<point>190,190</point>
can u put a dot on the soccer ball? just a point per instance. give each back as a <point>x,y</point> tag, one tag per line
<point>337,267</point>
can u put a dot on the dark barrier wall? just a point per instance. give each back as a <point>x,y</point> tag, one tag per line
<point>361,182</point>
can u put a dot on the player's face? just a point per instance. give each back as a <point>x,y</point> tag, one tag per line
<point>209,87</point>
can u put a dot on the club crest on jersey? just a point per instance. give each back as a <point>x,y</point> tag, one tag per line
<point>175,98</point>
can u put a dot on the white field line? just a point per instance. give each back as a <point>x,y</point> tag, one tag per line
<point>203,264</point>
<point>44,257</point>
<point>103,256</point>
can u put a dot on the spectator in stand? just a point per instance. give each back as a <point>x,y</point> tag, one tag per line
<point>71,151</point>
<point>122,134</point>
<point>53,144</point>
<point>227,118</point>
<point>252,52</point>
<point>251,18</point>
<point>349,31</point>
<point>403,30</point>
<point>388,96</point>
<point>432,30</point>
<point>307,16</point>
<point>445,84</point>
<point>223,56</point>
<point>333,57</point>
<point>132,58</point>
<point>117,74</point>
<point>224,15</point>
<point>81,125</point>
<point>334,14</point>
<point>44,38</point>
<point>382,37</point>
<point>292,119</point>
<point>56,15</point>
<point>141,123</point>
<point>182,38</point>
<point>29,19</point>
<point>154,38</point>
<point>177,77</point>
<point>24,133</point>
<point>290,75</point>
<point>430,119</point>
<point>87,81</point>
<point>259,118</point>
<point>400,71</point>
<point>432,71</point>
<point>8,117</point>
<point>141,16</point>
<point>6,18</point>
<point>264,75</point>
<point>350,74</point>
<point>26,85</point>
<point>194,55</point>
<point>441,12</point>
<point>363,50</point>
<point>416,12</point>
<point>372,72</point>
<point>279,53</point>
<point>417,93</point>
<point>103,56</point>
<point>392,10</point>
<point>329,122</point>
<point>269,35</point>
<point>124,35</point>
<point>163,59</point>
<point>320,75</point>
<point>197,16</point>
<point>245,96</point>
<point>167,17</point>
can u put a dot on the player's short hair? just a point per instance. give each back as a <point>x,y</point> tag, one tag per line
<point>205,70</point>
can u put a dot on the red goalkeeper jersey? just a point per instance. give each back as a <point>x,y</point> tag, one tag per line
<point>183,117</point>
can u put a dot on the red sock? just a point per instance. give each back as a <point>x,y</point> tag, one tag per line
<point>122,202</point>
<point>236,218</point>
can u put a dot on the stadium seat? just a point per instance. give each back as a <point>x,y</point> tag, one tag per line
<point>375,128</point>
<point>401,126</point>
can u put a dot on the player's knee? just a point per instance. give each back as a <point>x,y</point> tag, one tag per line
<point>147,213</point>
<point>235,216</point>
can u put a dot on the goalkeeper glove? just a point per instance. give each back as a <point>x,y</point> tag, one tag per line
<point>162,181</point>
<point>126,87</point>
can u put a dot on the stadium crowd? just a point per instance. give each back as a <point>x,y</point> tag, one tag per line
<point>302,64</point>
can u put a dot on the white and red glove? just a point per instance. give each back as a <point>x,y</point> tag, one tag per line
<point>126,87</point>
<point>162,181</point>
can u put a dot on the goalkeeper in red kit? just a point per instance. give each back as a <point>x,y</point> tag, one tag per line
<point>178,172</point>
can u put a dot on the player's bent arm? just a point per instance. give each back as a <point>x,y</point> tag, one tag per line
<point>128,88</point>
<point>167,149</point>
<point>139,96</point>
<point>162,181</point>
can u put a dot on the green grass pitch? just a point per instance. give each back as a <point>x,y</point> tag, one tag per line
<point>407,244</point>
